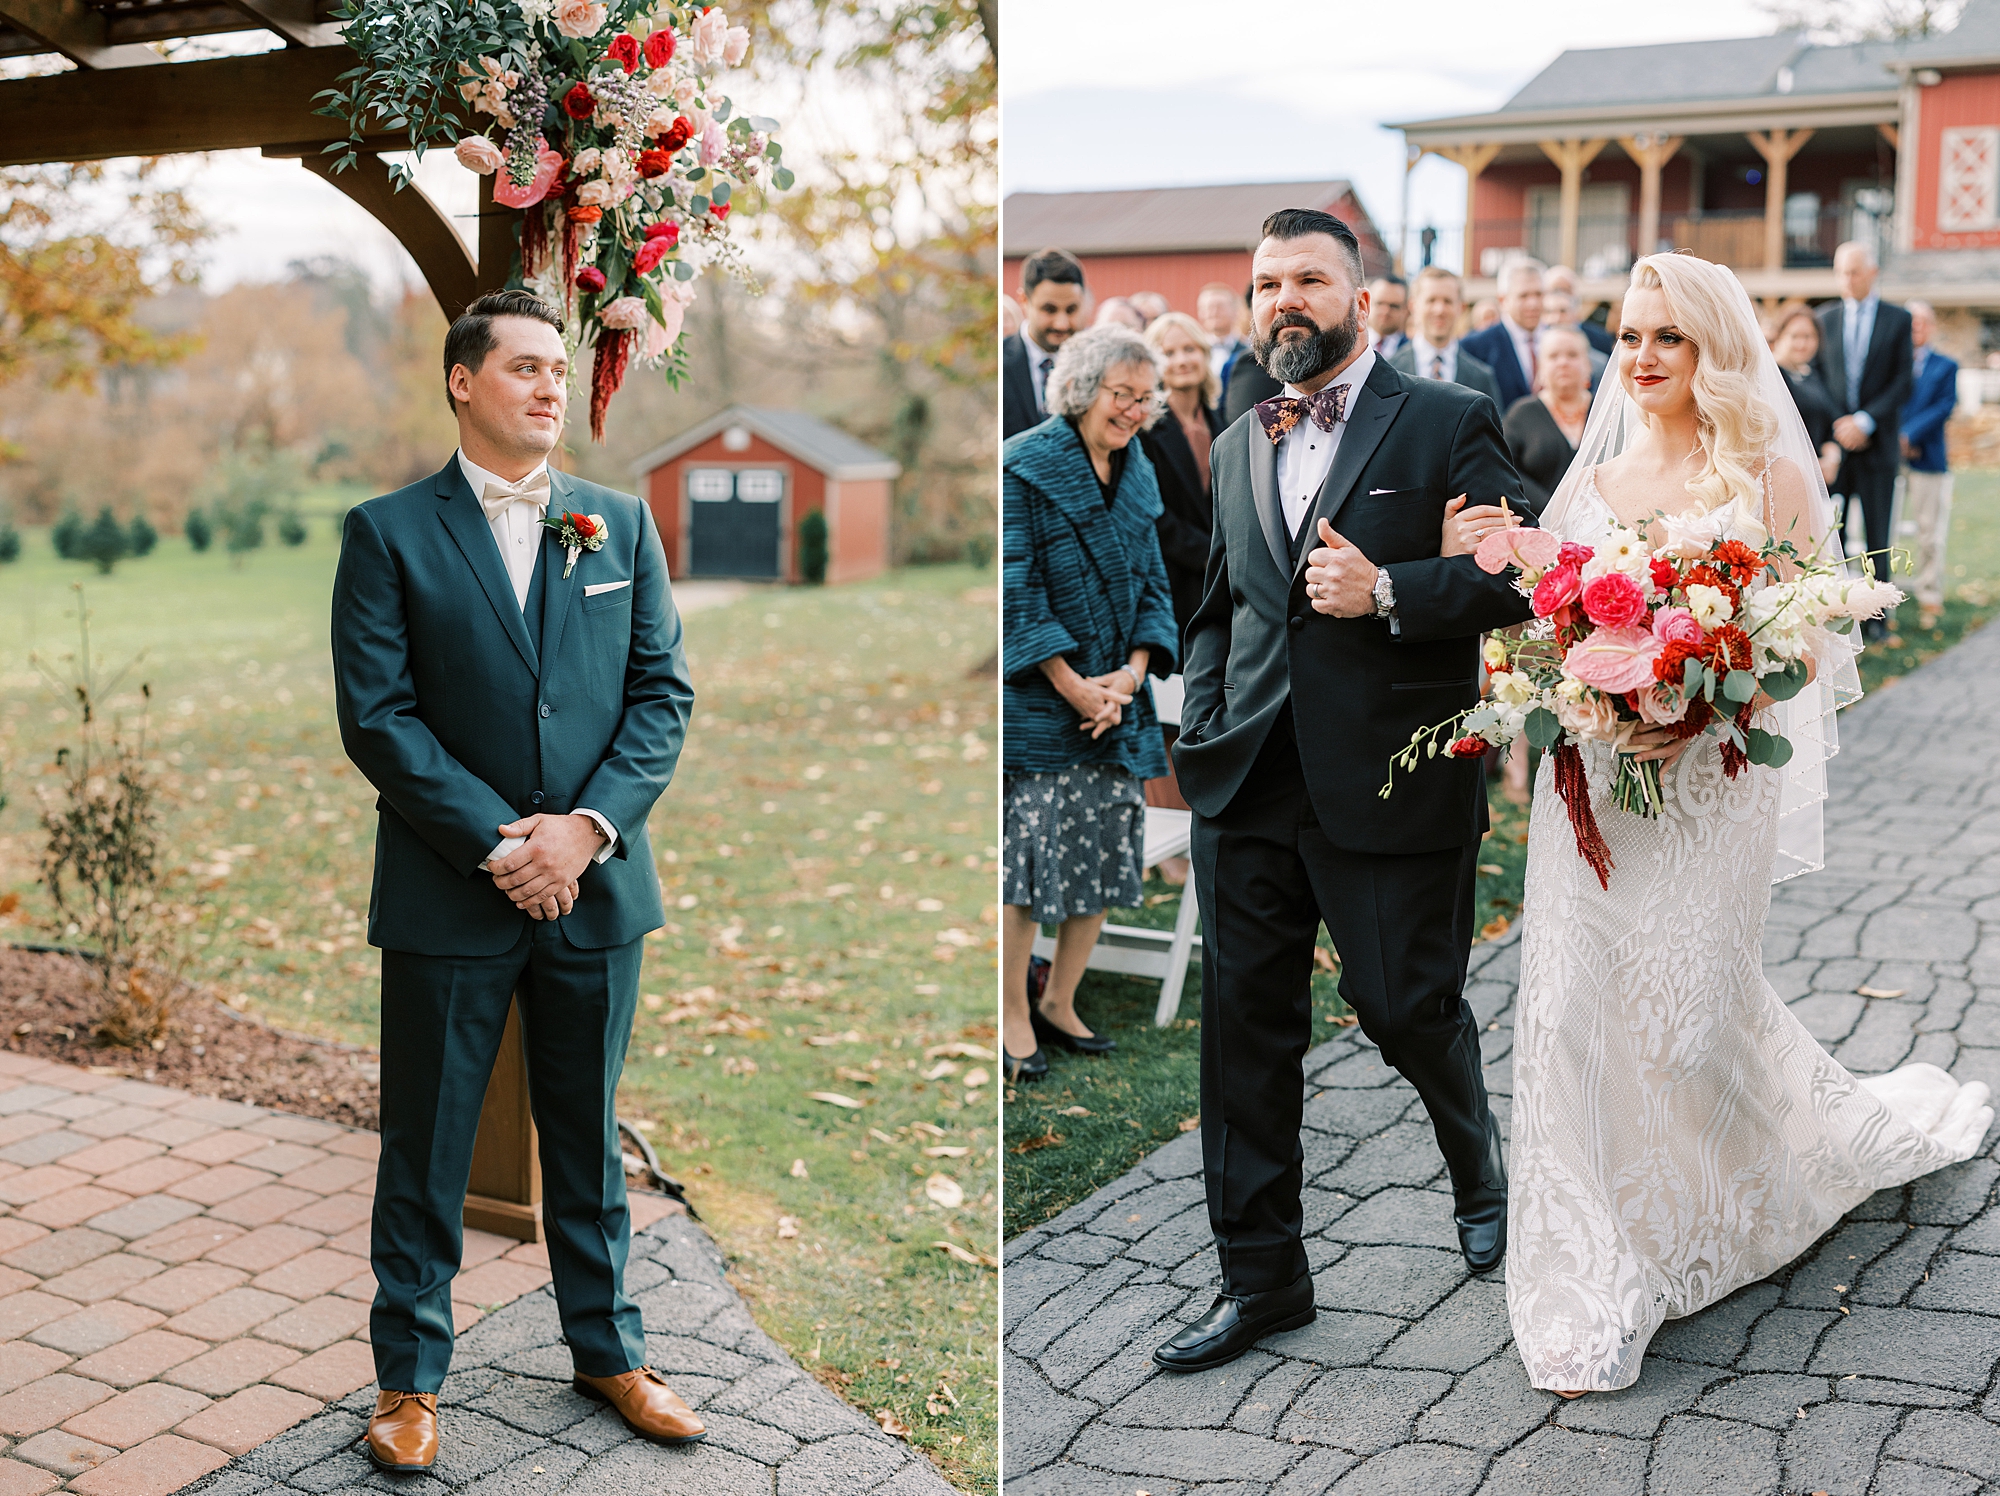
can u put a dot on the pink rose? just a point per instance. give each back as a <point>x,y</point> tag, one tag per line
<point>1614,660</point>
<point>661,338</point>
<point>649,256</point>
<point>1614,601</point>
<point>714,141</point>
<point>735,45</point>
<point>627,313</point>
<point>548,166</point>
<point>1518,545</point>
<point>579,18</point>
<point>1676,625</point>
<point>477,153</point>
<point>1572,554</point>
<point>1593,716</point>
<point>1559,587</point>
<point>1654,706</point>
<point>709,35</point>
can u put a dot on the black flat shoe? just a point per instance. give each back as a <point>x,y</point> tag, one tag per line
<point>1235,1323</point>
<point>1480,1213</point>
<point>1013,1068</point>
<point>1048,1033</point>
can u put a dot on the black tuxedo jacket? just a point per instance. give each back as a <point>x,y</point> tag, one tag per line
<point>1186,520</point>
<point>1017,389</point>
<point>1885,375</point>
<point>1357,689</point>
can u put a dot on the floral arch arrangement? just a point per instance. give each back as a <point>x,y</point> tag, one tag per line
<point>604,122</point>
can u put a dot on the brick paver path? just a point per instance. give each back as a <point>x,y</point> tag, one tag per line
<point>1867,1367</point>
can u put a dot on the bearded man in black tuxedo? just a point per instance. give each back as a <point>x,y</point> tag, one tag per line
<point>1307,669</point>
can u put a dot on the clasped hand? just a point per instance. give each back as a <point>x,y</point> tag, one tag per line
<point>1099,699</point>
<point>541,877</point>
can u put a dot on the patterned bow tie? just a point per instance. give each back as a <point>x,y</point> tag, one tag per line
<point>1281,413</point>
<point>499,497</point>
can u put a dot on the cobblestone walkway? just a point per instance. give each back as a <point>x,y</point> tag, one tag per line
<point>1408,1382</point>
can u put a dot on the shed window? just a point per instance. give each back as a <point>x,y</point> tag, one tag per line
<point>711,484</point>
<point>760,485</point>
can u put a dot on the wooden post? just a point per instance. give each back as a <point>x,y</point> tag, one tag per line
<point>1572,156</point>
<point>1652,152</point>
<point>505,1192</point>
<point>1777,148</point>
<point>1475,159</point>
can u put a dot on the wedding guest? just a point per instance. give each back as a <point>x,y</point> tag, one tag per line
<point>1222,315</point>
<point>1388,314</point>
<point>1509,345</point>
<point>1010,316</point>
<point>1544,429</point>
<point>1927,481</point>
<point>1178,447</point>
<point>1794,339</point>
<point>1434,350</point>
<point>1485,312</point>
<point>1562,279</point>
<point>1864,360</point>
<point>1052,307</point>
<point>1086,615</point>
<point>1150,304</point>
<point>1118,311</point>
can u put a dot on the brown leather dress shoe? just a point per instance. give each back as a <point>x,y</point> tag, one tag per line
<point>403,1434</point>
<point>645,1401</point>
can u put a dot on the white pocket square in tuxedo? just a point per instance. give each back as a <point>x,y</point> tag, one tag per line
<point>1374,491</point>
<point>597,587</point>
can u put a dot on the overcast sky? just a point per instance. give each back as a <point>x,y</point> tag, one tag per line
<point>1175,92</point>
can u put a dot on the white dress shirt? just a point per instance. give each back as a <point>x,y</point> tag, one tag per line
<point>1524,348</point>
<point>1430,360</point>
<point>517,531</point>
<point>1041,361</point>
<point>1305,456</point>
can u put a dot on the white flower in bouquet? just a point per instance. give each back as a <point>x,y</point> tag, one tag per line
<point>597,194</point>
<point>1512,687</point>
<point>1694,533</point>
<point>1710,605</point>
<point>1622,550</point>
<point>660,84</point>
<point>735,45</point>
<point>709,36</point>
<point>585,163</point>
<point>1776,618</point>
<point>536,10</point>
<point>686,91</point>
<point>1590,715</point>
<point>1494,652</point>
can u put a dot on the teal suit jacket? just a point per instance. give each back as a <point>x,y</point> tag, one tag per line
<point>462,724</point>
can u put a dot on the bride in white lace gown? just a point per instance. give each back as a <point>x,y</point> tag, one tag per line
<point>1676,1132</point>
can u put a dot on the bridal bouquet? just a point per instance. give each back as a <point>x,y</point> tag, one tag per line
<point>1626,636</point>
<point>605,122</point>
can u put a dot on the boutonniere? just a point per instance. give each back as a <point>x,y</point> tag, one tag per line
<point>576,533</point>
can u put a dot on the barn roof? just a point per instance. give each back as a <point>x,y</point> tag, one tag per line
<point>1160,220</point>
<point>823,446</point>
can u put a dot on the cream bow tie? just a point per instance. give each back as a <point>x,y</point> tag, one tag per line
<point>533,489</point>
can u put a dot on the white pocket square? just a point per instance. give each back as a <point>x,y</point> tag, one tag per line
<point>1374,491</point>
<point>594,589</point>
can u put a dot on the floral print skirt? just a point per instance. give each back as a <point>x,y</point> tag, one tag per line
<point>1075,840</point>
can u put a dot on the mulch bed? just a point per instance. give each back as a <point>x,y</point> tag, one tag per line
<point>49,1000</point>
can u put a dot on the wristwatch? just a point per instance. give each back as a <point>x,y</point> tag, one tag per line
<point>1385,594</point>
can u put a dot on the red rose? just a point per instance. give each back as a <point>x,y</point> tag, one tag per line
<point>720,210</point>
<point>676,135</point>
<point>583,525</point>
<point>1573,554</point>
<point>578,104</point>
<point>585,213</point>
<point>655,163</point>
<point>649,256</point>
<point>1557,587</point>
<point>624,50</point>
<point>590,278</point>
<point>660,48</point>
<point>668,230</point>
<point>1469,748</point>
<point>1614,601</point>
<point>1664,576</point>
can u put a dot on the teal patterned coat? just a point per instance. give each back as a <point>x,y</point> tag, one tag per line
<point>1083,581</point>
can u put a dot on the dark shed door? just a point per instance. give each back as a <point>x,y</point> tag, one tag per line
<point>733,521</point>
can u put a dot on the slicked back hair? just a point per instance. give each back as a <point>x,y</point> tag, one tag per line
<point>471,336</point>
<point>1051,265</point>
<point>1296,223</point>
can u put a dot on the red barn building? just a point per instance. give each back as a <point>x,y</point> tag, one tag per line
<point>1173,240</point>
<point>730,495</point>
<point>1761,153</point>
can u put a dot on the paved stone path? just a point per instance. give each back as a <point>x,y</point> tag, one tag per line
<point>1408,1381</point>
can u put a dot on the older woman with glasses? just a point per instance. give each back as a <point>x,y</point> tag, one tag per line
<point>1086,616</point>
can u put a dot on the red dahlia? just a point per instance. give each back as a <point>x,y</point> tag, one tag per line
<point>1727,648</point>
<point>578,103</point>
<point>1741,562</point>
<point>1670,664</point>
<point>1707,576</point>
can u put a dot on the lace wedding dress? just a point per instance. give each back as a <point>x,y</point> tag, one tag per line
<point>1676,1131</point>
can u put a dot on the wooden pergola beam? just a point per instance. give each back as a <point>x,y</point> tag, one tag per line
<point>434,243</point>
<point>296,21</point>
<point>1571,157</point>
<point>1652,152</point>
<point>77,31</point>
<point>1475,159</point>
<point>219,104</point>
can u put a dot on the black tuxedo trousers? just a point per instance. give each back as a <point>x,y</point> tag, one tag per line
<point>1267,877</point>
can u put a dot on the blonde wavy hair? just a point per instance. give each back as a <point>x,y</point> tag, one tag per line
<point>1156,336</point>
<point>1735,424</point>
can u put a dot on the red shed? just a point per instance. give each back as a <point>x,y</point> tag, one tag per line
<point>730,494</point>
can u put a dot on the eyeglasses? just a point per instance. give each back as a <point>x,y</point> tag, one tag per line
<point>1131,400</point>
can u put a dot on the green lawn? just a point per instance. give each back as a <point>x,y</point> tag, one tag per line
<point>827,852</point>
<point>1091,1120</point>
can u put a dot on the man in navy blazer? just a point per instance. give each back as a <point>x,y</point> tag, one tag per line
<point>1508,346</point>
<point>1927,479</point>
<point>519,707</point>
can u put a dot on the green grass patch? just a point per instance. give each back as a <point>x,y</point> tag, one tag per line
<point>1972,583</point>
<point>827,853</point>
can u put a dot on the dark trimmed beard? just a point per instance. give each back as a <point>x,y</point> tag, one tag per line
<point>1295,360</point>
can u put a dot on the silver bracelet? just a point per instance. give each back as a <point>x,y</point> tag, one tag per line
<point>1134,675</point>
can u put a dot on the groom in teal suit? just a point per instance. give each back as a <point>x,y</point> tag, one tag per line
<point>519,706</point>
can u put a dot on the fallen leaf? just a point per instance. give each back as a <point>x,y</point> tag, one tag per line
<point>957,1253</point>
<point>788,1227</point>
<point>1491,869</point>
<point>1074,1111</point>
<point>1342,1020</point>
<point>940,1070</point>
<point>945,1150</point>
<point>859,1077</point>
<point>959,1051</point>
<point>891,1425</point>
<point>799,1169</point>
<point>1325,959</point>
<point>834,1098</point>
<point>1881,991</point>
<point>945,1191</point>
<point>1495,927</point>
<point>823,1040</point>
<point>1189,1124</point>
<point>1049,1139</point>
<point>929,1129</point>
<point>941,1401</point>
<point>880,1136</point>
<point>975,1078</point>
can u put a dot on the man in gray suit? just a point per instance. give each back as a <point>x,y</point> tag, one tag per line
<point>1432,350</point>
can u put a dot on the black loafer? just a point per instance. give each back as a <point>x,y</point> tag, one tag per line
<point>1048,1033</point>
<point>1482,1234</point>
<point>1235,1323</point>
<point>1016,1069</point>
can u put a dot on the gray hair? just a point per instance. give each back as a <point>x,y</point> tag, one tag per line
<point>1085,359</point>
<point>1861,247</point>
<point>1913,306</point>
<point>1566,329</point>
<point>1513,270</point>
